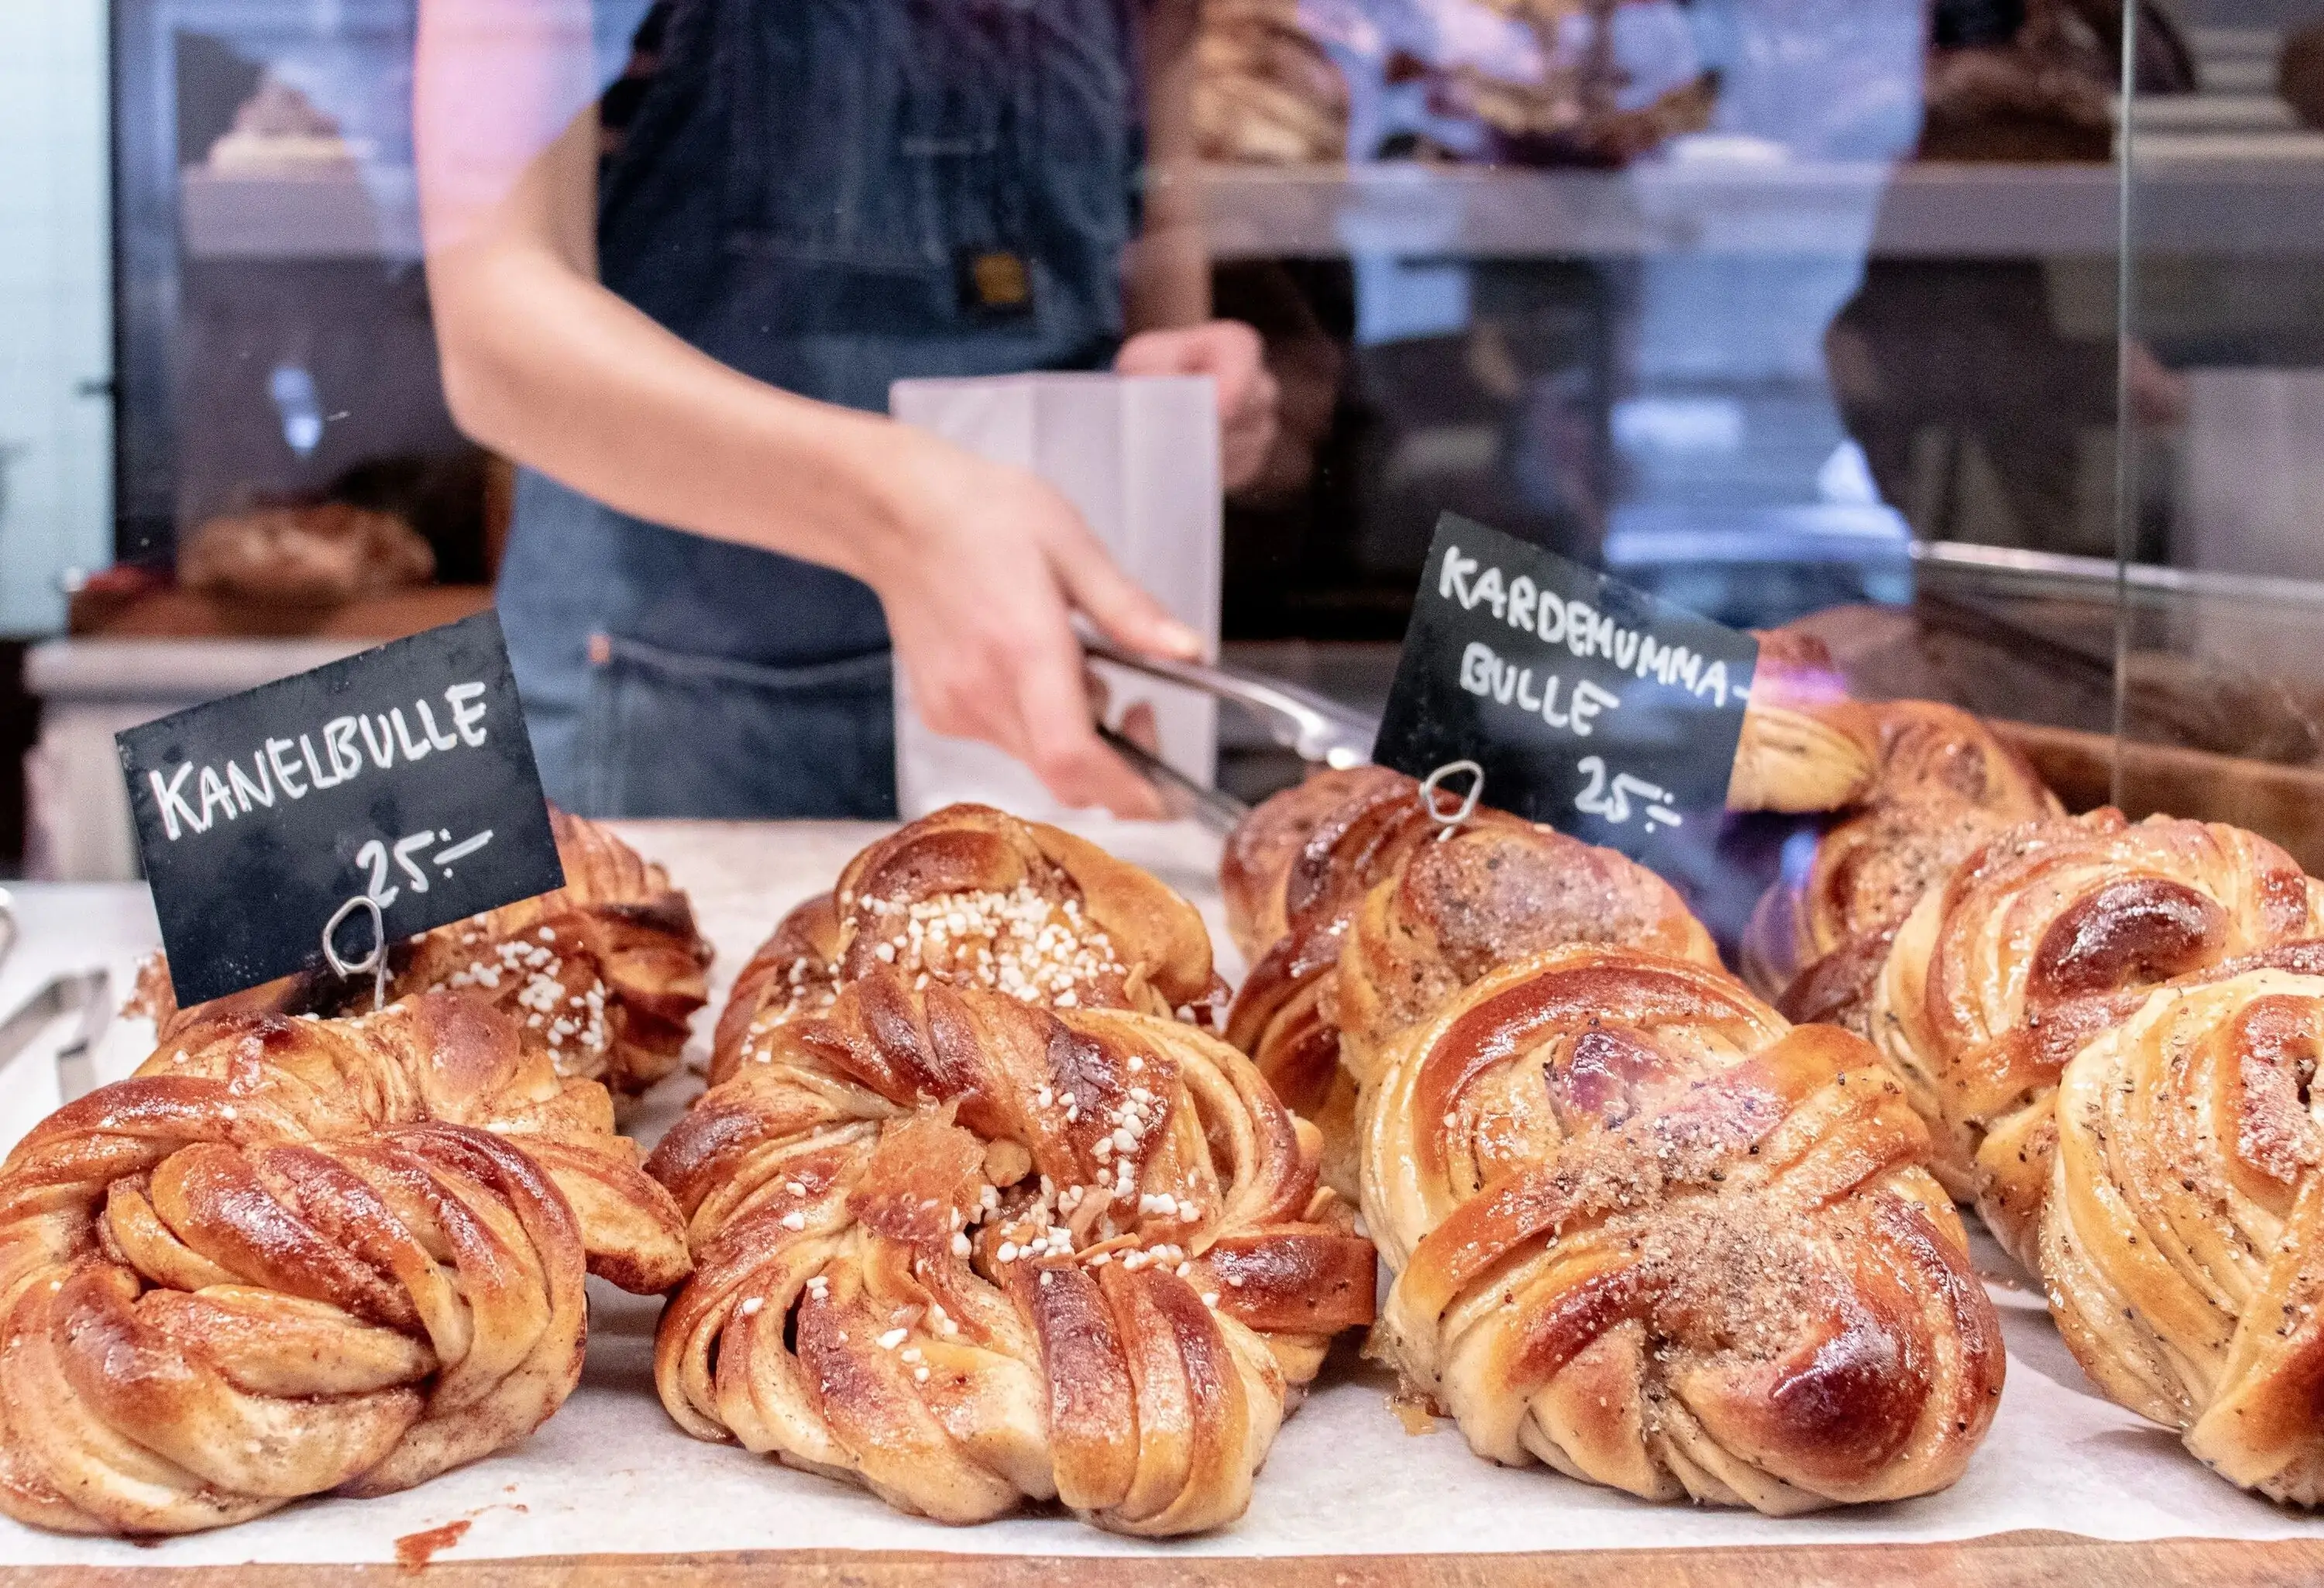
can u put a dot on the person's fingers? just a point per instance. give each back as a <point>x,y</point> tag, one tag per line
<point>1242,461</point>
<point>982,622</point>
<point>1157,352</point>
<point>1064,750</point>
<point>1227,350</point>
<point>1112,600</point>
<point>1137,725</point>
<point>1234,356</point>
<point>1263,398</point>
<point>1140,726</point>
<point>1248,434</point>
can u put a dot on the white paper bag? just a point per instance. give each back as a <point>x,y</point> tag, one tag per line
<point>1140,456</point>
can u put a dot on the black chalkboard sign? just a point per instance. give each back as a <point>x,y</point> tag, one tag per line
<point>1593,707</point>
<point>403,774</point>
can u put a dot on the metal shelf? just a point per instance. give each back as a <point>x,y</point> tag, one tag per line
<point>2241,195</point>
<point>2248,195</point>
<point>347,214</point>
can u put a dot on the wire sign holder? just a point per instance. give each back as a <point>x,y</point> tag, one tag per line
<point>375,962</point>
<point>1451,822</point>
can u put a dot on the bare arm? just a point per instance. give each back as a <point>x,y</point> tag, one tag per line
<point>979,566</point>
<point>545,365</point>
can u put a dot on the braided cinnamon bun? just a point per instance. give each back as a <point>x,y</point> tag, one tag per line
<point>1266,845</point>
<point>2039,941</point>
<point>1805,746</point>
<point>1284,1015</point>
<point>291,1256</point>
<point>1417,912</point>
<point>971,1251</point>
<point>1944,785</point>
<point>974,897</point>
<point>1648,1233</point>
<point>2183,1242</point>
<point>604,974</point>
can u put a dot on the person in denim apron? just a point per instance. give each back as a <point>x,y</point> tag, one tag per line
<point>823,197</point>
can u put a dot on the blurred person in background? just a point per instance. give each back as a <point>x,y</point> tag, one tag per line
<point>681,310</point>
<point>1975,409</point>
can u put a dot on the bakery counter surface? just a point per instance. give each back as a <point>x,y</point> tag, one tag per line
<point>609,1491</point>
<point>2018,1560</point>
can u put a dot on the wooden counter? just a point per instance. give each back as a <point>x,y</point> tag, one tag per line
<point>2014,1560</point>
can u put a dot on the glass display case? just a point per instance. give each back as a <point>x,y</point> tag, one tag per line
<point>277,374</point>
<point>273,326</point>
<point>2218,299</point>
<point>1084,924</point>
<point>1842,350</point>
<point>1787,313</point>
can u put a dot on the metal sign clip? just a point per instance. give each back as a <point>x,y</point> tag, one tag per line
<point>375,962</point>
<point>1451,822</point>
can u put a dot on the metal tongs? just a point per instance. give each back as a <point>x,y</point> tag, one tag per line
<point>89,991</point>
<point>1320,731</point>
<point>89,994</point>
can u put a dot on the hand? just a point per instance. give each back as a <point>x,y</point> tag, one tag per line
<point>980,582</point>
<point>1230,353</point>
<point>2158,393</point>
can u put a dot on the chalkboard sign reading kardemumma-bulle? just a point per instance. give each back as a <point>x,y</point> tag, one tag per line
<point>403,774</point>
<point>1593,707</point>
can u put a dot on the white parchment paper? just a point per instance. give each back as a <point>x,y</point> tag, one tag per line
<point>611,1473</point>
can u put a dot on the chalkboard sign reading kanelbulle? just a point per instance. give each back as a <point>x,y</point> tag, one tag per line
<point>403,774</point>
<point>1593,707</point>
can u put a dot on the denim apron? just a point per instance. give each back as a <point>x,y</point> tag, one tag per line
<point>830,196</point>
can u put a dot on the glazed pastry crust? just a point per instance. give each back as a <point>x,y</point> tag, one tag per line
<point>1804,746</point>
<point>1265,846</point>
<point>1379,884</point>
<point>1945,786</point>
<point>1457,910</point>
<point>973,897</point>
<point>619,943</point>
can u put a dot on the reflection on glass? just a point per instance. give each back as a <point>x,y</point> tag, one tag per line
<point>2223,694</point>
<point>1784,308</point>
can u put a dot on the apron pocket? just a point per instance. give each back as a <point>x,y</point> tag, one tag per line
<point>668,733</point>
